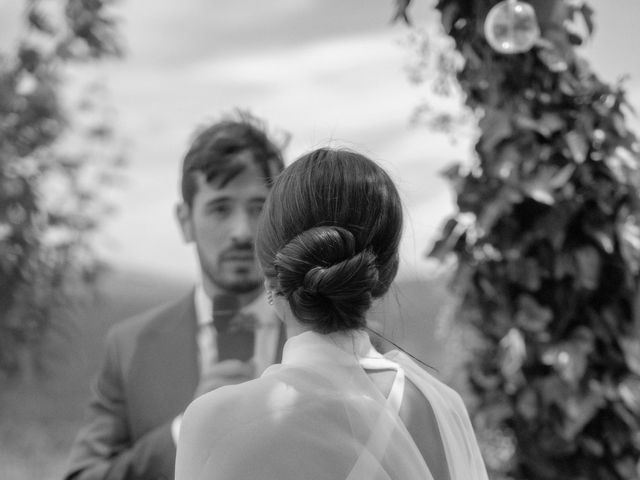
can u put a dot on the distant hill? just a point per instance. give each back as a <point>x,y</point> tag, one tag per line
<point>38,419</point>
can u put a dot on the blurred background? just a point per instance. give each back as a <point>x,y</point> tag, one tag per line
<point>322,72</point>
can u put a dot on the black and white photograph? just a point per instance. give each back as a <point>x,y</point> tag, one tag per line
<point>319,240</point>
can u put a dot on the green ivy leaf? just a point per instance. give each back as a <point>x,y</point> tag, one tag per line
<point>501,204</point>
<point>628,233</point>
<point>631,349</point>
<point>587,13</point>
<point>591,445</point>
<point>505,163</point>
<point>578,146</point>
<point>629,390</point>
<point>552,57</point>
<point>619,126</point>
<point>570,358</point>
<point>580,408</point>
<point>486,380</point>
<point>449,15</point>
<point>588,264</point>
<point>546,181</point>
<point>453,174</point>
<point>628,159</point>
<point>496,127</point>
<point>451,234</point>
<point>548,124</point>
<point>628,418</point>
<point>620,172</point>
<point>401,11</point>
<point>627,467</point>
<point>602,235</point>
<point>531,316</point>
<point>527,404</point>
<point>497,412</point>
<point>512,353</point>
<point>38,21</point>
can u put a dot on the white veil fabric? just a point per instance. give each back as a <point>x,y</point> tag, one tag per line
<point>319,416</point>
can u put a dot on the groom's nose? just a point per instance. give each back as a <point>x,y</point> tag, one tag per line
<point>241,228</point>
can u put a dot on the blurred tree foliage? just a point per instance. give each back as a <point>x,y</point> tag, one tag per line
<point>547,241</point>
<point>54,163</point>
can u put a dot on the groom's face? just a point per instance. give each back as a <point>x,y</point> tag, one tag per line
<point>222,221</point>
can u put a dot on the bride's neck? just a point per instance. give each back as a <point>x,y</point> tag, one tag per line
<point>295,328</point>
<point>286,316</point>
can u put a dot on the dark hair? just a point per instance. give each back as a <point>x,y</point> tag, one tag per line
<point>329,235</point>
<point>215,149</point>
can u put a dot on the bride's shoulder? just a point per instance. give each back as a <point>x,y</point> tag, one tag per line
<point>219,400</point>
<point>217,419</point>
<point>230,406</point>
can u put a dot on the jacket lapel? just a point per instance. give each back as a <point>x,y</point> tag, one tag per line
<point>164,370</point>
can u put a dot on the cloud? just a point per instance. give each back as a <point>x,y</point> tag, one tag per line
<point>162,32</point>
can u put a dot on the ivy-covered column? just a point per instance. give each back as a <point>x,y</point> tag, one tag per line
<point>549,263</point>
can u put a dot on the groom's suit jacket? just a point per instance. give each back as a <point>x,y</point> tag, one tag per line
<point>148,377</point>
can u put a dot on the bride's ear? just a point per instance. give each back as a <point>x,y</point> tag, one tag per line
<point>282,308</point>
<point>278,301</point>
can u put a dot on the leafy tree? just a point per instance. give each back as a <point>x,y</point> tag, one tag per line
<point>53,163</point>
<point>547,241</point>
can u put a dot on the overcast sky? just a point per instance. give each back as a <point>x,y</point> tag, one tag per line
<point>327,71</point>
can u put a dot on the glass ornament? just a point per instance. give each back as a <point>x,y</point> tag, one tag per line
<point>511,27</point>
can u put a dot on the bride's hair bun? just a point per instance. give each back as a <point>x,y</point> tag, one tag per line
<point>327,282</point>
<point>328,237</point>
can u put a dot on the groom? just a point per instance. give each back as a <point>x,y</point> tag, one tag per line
<point>159,361</point>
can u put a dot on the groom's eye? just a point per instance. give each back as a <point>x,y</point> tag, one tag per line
<point>255,208</point>
<point>218,209</point>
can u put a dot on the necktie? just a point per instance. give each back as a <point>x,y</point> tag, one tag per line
<point>234,339</point>
<point>225,307</point>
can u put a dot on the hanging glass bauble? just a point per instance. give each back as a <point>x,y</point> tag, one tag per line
<point>511,26</point>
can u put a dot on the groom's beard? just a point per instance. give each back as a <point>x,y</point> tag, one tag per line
<point>234,271</point>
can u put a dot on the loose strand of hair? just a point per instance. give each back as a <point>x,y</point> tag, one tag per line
<point>401,349</point>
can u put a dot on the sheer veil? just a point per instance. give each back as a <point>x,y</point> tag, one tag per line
<point>318,416</point>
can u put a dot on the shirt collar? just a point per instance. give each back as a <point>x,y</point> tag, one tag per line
<point>203,306</point>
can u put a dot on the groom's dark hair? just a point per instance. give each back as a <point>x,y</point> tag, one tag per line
<point>215,149</point>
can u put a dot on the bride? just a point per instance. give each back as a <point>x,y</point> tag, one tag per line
<point>335,408</point>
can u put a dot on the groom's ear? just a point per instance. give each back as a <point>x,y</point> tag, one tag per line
<point>183,215</point>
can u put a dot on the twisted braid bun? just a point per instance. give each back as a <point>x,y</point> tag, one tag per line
<point>327,282</point>
<point>328,237</point>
